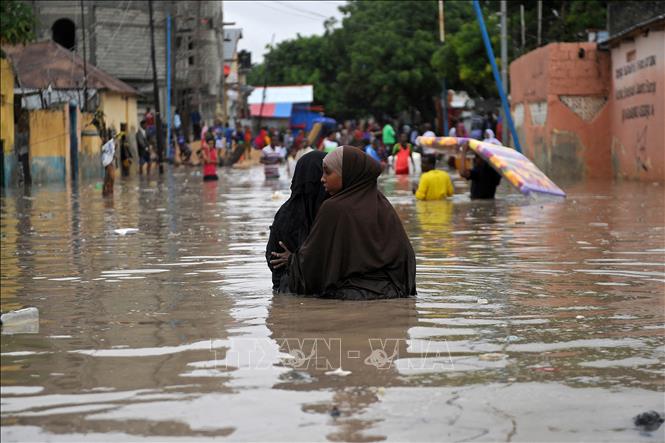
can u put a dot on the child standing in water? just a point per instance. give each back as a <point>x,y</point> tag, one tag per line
<point>271,157</point>
<point>108,155</point>
<point>209,154</point>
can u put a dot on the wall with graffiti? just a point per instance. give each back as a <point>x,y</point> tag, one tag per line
<point>638,106</point>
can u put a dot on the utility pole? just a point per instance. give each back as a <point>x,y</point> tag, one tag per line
<point>444,88</point>
<point>84,106</point>
<point>522,26</point>
<point>265,84</point>
<point>198,66</point>
<point>220,107</point>
<point>169,153</point>
<point>504,65</point>
<point>174,49</point>
<point>540,20</point>
<point>442,34</point>
<point>155,89</point>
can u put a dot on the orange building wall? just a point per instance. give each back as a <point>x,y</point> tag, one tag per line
<point>596,114</point>
<point>559,96</point>
<point>638,102</point>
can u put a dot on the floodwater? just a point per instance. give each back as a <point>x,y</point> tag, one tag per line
<point>534,320</point>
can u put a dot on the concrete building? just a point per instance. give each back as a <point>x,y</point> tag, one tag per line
<point>589,110</point>
<point>637,97</point>
<point>49,87</point>
<point>559,95</point>
<point>118,41</point>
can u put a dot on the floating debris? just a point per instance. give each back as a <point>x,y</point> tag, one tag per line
<point>125,231</point>
<point>22,321</point>
<point>648,421</point>
<point>492,356</point>
<point>339,372</point>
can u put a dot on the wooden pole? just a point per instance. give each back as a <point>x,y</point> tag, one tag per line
<point>540,21</point>
<point>504,64</point>
<point>155,89</point>
<point>84,106</point>
<point>522,25</point>
<point>442,33</point>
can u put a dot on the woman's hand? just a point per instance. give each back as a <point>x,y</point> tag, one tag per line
<point>282,257</point>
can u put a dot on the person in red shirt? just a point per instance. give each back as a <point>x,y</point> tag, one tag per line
<point>402,153</point>
<point>209,154</point>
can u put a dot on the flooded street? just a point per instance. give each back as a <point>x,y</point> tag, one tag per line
<point>534,320</point>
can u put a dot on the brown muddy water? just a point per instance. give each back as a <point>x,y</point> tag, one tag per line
<point>534,320</point>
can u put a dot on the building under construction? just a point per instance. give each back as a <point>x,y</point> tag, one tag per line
<point>115,36</point>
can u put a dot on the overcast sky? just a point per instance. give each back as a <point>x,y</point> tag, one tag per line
<point>259,20</point>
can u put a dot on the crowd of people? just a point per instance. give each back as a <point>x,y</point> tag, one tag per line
<point>391,145</point>
<point>329,238</point>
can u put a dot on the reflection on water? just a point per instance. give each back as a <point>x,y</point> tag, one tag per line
<point>534,320</point>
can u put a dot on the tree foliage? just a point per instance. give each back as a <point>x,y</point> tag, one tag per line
<point>16,22</point>
<point>386,57</point>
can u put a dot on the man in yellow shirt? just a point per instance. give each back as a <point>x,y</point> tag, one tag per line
<point>434,184</point>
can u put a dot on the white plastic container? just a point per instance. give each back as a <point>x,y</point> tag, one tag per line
<point>22,321</point>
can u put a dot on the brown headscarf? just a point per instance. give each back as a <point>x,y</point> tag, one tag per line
<point>357,240</point>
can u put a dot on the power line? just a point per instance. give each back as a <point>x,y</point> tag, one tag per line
<point>295,8</point>
<point>289,12</point>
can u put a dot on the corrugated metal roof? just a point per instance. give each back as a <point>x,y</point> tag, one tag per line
<point>283,94</point>
<point>231,37</point>
<point>38,65</point>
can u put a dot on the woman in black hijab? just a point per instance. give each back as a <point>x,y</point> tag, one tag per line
<point>357,248</point>
<point>295,218</point>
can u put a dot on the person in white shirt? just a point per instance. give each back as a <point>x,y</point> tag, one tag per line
<point>428,131</point>
<point>330,143</point>
<point>177,121</point>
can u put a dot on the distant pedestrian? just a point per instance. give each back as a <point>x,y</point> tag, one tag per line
<point>108,155</point>
<point>329,143</point>
<point>271,157</point>
<point>195,118</point>
<point>490,138</point>
<point>484,179</point>
<point>261,140</point>
<point>477,126</point>
<point>434,184</point>
<point>427,130</point>
<point>371,149</point>
<point>177,121</point>
<point>402,154</point>
<point>125,153</point>
<point>460,130</point>
<point>149,118</point>
<point>388,135</point>
<point>22,144</point>
<point>143,148</point>
<point>490,121</point>
<point>209,154</point>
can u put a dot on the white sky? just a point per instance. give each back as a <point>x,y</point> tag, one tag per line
<point>259,20</point>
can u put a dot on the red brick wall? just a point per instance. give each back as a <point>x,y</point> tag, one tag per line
<point>578,116</point>
<point>564,143</point>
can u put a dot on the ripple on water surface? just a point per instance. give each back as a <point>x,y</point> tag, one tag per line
<point>534,320</point>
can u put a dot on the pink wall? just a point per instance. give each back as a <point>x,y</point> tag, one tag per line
<point>638,102</point>
<point>559,96</point>
<point>581,112</point>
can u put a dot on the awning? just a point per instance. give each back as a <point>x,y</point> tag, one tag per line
<point>271,110</point>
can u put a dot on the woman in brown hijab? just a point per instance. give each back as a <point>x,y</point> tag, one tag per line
<point>357,248</point>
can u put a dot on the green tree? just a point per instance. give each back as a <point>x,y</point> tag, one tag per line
<point>386,57</point>
<point>16,22</point>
